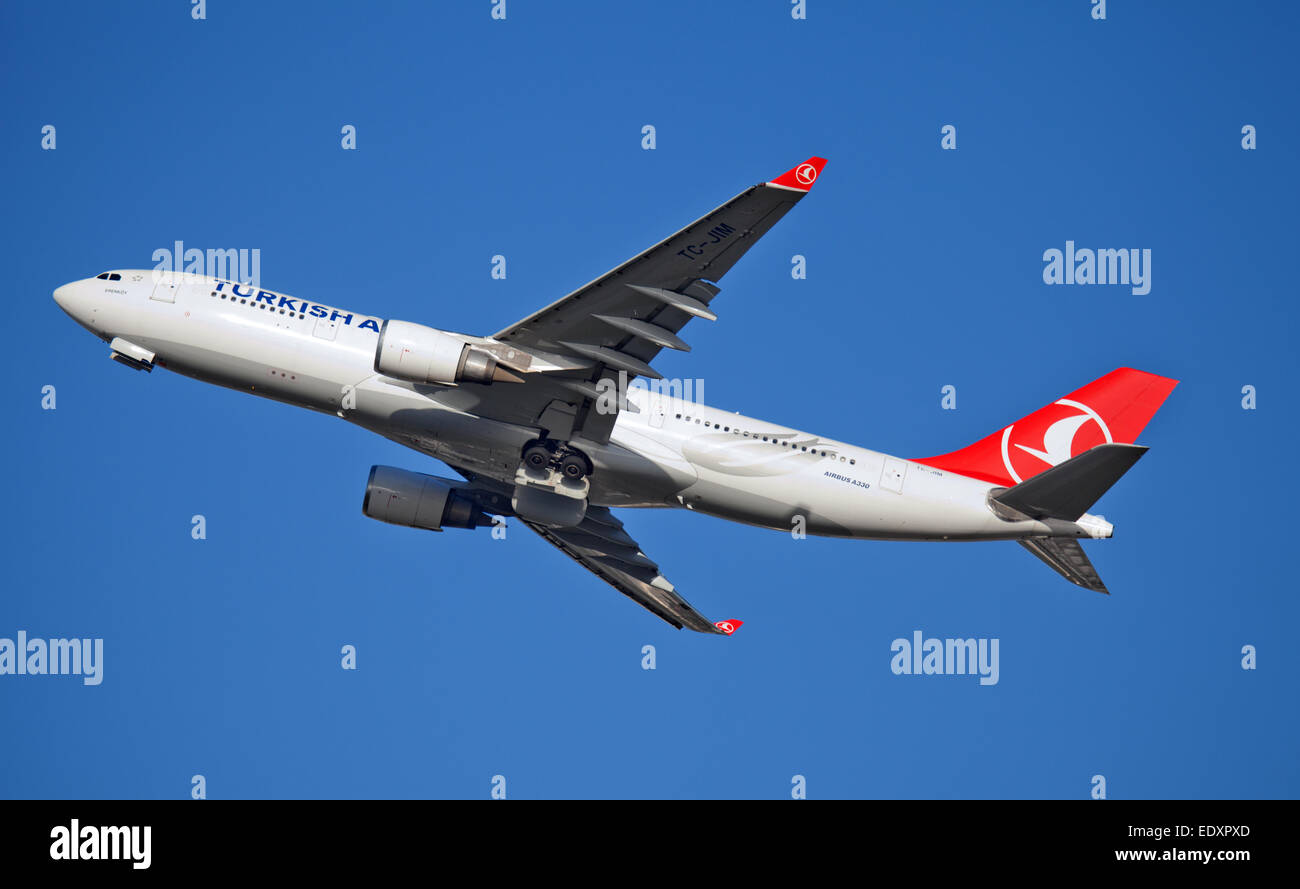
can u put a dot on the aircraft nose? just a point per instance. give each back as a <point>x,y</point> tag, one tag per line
<point>63,296</point>
<point>74,299</point>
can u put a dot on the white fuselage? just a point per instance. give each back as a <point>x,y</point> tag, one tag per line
<point>661,452</point>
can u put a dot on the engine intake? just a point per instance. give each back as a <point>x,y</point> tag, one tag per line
<point>420,354</point>
<point>414,500</point>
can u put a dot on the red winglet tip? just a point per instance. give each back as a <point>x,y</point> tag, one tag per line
<point>729,626</point>
<point>802,177</point>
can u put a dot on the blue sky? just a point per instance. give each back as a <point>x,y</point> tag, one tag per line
<point>523,138</point>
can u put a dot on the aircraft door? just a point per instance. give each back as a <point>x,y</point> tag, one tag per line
<point>891,477</point>
<point>165,289</point>
<point>656,410</point>
<point>326,329</point>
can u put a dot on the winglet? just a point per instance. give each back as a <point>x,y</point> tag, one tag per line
<point>728,626</point>
<point>802,177</point>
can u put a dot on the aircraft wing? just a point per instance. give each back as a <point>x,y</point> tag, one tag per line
<point>621,320</point>
<point>601,546</point>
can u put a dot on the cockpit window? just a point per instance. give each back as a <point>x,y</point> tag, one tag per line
<point>103,277</point>
<point>109,276</point>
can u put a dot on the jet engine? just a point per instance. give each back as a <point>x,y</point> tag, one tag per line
<point>420,354</point>
<point>414,500</point>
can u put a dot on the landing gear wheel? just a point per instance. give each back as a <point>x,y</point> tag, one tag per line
<point>574,467</point>
<point>536,457</point>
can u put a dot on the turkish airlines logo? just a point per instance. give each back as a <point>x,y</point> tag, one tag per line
<point>729,626</point>
<point>1066,429</point>
<point>806,174</point>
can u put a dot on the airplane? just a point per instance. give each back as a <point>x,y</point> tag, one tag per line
<point>559,419</point>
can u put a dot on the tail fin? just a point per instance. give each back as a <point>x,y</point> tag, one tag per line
<point>1114,408</point>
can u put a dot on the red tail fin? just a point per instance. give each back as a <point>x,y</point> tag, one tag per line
<point>1114,408</point>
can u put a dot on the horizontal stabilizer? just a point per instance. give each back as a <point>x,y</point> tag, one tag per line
<point>1067,490</point>
<point>1066,557</point>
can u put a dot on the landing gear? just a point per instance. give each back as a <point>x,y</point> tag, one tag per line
<point>538,456</point>
<point>575,467</point>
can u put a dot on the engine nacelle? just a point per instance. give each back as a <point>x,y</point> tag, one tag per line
<point>420,354</point>
<point>414,500</point>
